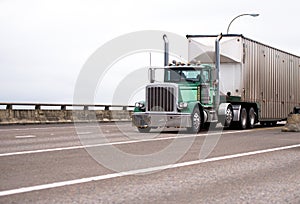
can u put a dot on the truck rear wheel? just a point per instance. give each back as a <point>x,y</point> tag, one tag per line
<point>226,119</point>
<point>251,118</point>
<point>243,119</point>
<point>242,122</point>
<point>196,121</point>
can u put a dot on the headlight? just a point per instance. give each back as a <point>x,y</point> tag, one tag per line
<point>182,105</point>
<point>140,105</point>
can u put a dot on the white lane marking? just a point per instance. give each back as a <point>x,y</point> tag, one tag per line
<point>118,143</point>
<point>84,133</point>
<point>41,128</point>
<point>24,136</point>
<point>40,151</point>
<point>138,171</point>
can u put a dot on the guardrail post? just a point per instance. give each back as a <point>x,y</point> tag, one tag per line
<point>9,107</point>
<point>124,107</point>
<point>63,107</point>
<point>106,108</point>
<point>85,107</point>
<point>37,107</point>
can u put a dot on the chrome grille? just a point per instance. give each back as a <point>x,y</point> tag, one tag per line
<point>160,98</point>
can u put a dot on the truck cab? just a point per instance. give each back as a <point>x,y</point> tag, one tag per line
<point>185,98</point>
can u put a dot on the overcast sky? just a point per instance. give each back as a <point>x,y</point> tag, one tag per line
<point>44,43</point>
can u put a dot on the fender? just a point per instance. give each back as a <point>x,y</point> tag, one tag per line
<point>222,108</point>
<point>190,109</point>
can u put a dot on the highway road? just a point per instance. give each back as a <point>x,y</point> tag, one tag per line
<point>113,163</point>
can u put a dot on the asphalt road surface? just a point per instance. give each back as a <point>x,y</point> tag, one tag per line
<point>113,163</point>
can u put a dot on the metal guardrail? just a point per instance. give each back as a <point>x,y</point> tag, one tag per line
<point>38,106</point>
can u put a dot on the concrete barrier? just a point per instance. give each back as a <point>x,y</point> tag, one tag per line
<point>38,115</point>
<point>62,116</point>
<point>292,124</point>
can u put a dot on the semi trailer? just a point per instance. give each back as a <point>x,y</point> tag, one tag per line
<point>228,79</point>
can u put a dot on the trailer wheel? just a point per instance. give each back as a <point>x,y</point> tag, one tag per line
<point>251,118</point>
<point>196,121</point>
<point>144,130</point>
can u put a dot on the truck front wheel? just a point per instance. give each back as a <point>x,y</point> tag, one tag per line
<point>196,121</point>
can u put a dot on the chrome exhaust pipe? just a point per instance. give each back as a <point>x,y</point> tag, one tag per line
<point>166,51</point>
<point>218,61</point>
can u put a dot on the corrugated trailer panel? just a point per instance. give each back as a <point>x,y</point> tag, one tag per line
<point>271,78</point>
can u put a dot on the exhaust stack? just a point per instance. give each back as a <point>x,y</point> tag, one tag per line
<point>166,50</point>
<point>218,61</point>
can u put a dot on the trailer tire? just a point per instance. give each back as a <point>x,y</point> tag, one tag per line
<point>196,121</point>
<point>251,118</point>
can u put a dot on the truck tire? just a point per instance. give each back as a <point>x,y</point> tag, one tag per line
<point>251,118</point>
<point>196,121</point>
<point>144,130</point>
<point>243,119</point>
<point>226,119</point>
<point>242,123</point>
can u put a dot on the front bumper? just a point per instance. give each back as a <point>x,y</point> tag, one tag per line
<point>143,120</point>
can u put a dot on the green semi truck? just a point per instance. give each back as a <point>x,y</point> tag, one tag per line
<point>232,80</point>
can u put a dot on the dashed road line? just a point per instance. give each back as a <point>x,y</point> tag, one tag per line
<point>24,136</point>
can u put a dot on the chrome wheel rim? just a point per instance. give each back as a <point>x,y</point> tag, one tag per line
<point>229,116</point>
<point>196,121</point>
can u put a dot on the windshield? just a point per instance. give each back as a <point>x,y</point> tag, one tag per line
<point>192,75</point>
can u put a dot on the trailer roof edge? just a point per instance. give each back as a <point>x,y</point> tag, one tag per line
<point>214,36</point>
<point>242,36</point>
